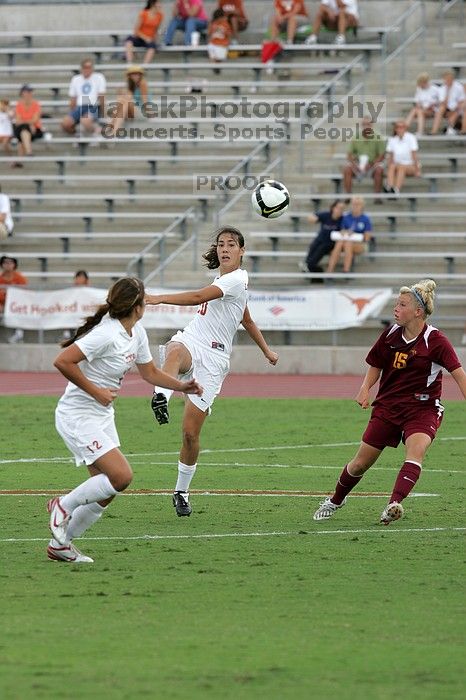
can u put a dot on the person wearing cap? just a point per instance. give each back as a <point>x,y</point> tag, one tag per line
<point>145,31</point>
<point>27,123</point>
<point>9,275</point>
<point>134,95</point>
<point>87,100</point>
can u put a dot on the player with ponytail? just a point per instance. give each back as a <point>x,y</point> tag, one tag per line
<point>95,361</point>
<point>408,358</point>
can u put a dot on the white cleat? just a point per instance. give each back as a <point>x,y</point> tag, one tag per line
<point>68,552</point>
<point>311,39</point>
<point>59,520</point>
<point>394,511</point>
<point>327,509</point>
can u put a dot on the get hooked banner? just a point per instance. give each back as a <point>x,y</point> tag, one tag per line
<point>300,309</point>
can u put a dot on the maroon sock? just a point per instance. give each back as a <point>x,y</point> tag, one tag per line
<point>405,481</point>
<point>346,482</point>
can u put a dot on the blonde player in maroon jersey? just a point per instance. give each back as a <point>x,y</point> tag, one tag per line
<point>409,358</point>
<point>204,347</point>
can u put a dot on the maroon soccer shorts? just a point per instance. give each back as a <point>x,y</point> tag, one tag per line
<point>384,432</point>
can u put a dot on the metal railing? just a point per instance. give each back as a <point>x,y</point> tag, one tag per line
<point>445,7</point>
<point>221,212</point>
<point>406,39</point>
<point>136,262</point>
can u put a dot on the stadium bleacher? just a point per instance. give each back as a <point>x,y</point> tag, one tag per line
<point>75,206</point>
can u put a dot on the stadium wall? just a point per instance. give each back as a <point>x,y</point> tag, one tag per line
<point>245,359</point>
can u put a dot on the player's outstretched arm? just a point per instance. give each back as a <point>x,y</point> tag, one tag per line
<point>459,375</point>
<point>371,378</point>
<point>254,333</point>
<point>194,298</point>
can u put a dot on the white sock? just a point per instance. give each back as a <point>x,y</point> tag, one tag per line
<point>97,488</point>
<point>83,518</point>
<point>166,392</point>
<point>185,474</point>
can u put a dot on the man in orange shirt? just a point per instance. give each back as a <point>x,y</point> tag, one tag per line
<point>145,31</point>
<point>236,15</point>
<point>10,275</point>
<point>286,18</point>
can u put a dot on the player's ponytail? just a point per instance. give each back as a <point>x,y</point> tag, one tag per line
<point>89,323</point>
<point>123,297</point>
<point>423,293</point>
<point>211,255</point>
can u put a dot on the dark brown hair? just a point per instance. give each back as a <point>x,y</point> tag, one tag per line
<point>211,255</point>
<point>122,298</point>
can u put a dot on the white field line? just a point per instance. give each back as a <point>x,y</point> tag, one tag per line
<point>158,462</point>
<point>233,494</point>
<point>291,533</point>
<point>308,446</point>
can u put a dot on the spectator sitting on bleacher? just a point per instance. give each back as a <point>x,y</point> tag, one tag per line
<point>81,279</point>
<point>322,243</point>
<point>402,149</point>
<point>135,95</point>
<point>287,13</point>
<point>236,15</point>
<point>87,100</point>
<point>6,220</point>
<point>6,127</point>
<point>188,16</point>
<point>145,31</point>
<point>426,101</point>
<point>451,98</point>
<point>365,157</point>
<point>27,124</point>
<point>335,14</point>
<point>219,33</point>
<point>355,233</point>
<point>9,275</point>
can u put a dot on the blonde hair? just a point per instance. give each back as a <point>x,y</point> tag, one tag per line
<point>423,293</point>
<point>422,78</point>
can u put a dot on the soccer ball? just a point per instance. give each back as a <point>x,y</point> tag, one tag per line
<point>270,199</point>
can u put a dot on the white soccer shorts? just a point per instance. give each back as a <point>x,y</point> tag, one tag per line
<point>87,439</point>
<point>209,368</point>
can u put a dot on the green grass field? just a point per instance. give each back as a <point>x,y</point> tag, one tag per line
<point>248,598</point>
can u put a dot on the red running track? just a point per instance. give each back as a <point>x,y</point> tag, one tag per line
<point>274,386</point>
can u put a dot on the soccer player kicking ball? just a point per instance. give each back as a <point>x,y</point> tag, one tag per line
<point>409,358</point>
<point>203,348</point>
<point>95,361</point>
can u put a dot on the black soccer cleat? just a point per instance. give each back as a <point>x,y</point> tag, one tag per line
<point>159,405</point>
<point>181,503</point>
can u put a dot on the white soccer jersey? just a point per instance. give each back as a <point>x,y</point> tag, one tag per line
<point>110,353</point>
<point>216,322</point>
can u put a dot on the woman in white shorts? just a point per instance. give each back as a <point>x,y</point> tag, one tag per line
<point>95,361</point>
<point>204,347</point>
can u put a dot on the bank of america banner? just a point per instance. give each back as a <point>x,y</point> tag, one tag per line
<point>301,309</point>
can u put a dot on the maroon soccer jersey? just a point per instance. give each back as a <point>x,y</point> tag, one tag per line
<point>411,371</point>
